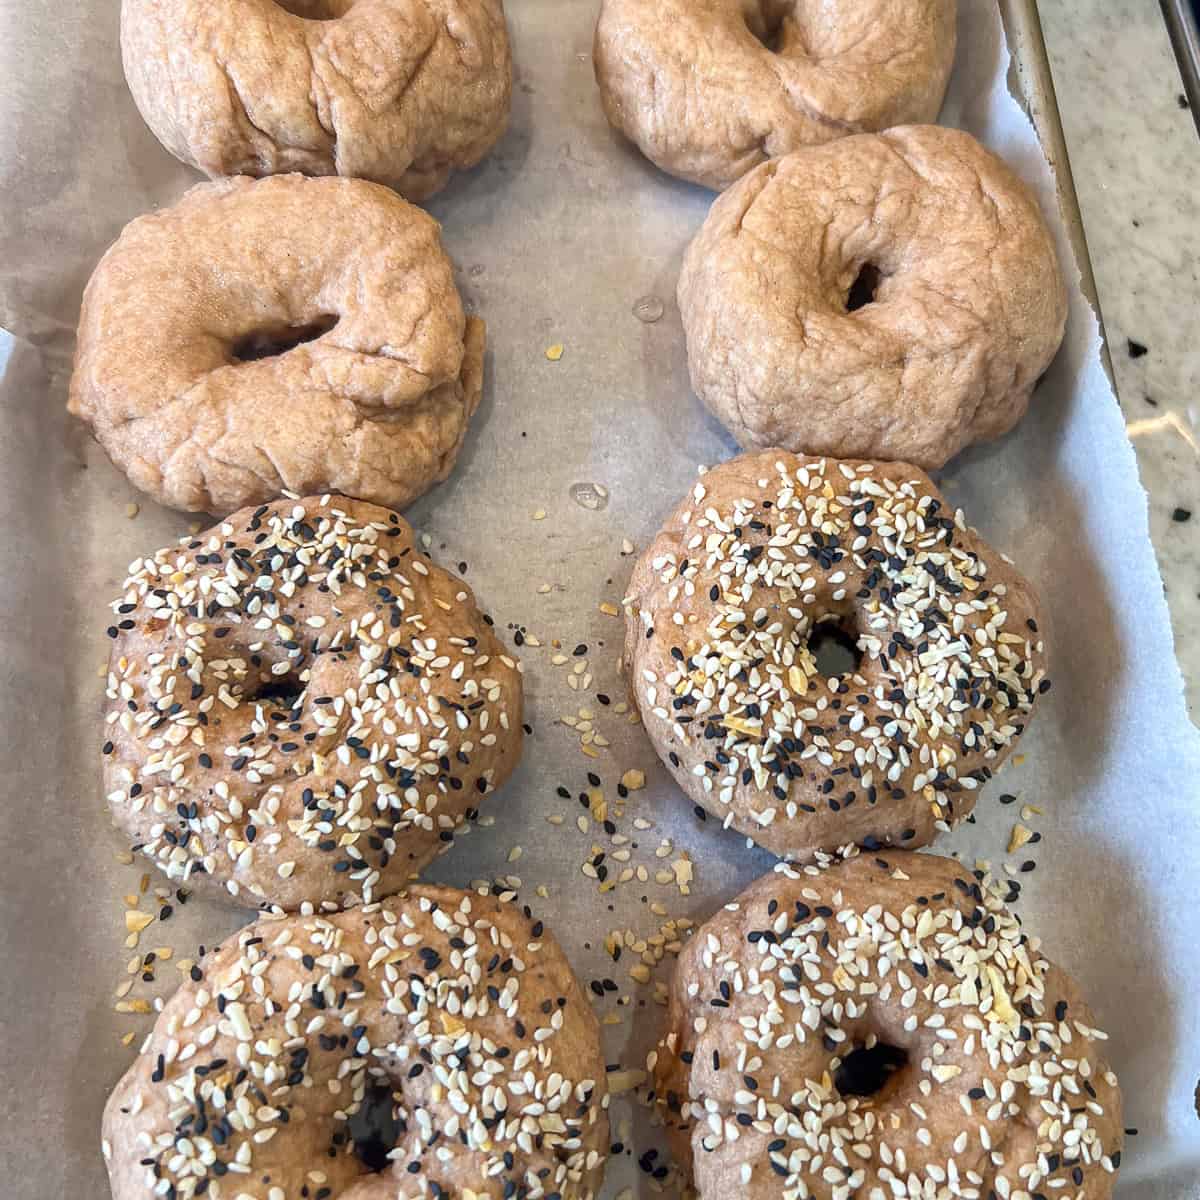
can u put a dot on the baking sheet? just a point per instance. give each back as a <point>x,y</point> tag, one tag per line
<point>557,237</point>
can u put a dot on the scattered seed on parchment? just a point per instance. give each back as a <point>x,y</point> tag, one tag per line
<point>515,853</point>
<point>555,352</point>
<point>539,514</point>
<point>627,546</point>
<point>131,511</point>
<point>597,804</point>
<point>1021,834</point>
<point>683,874</point>
<point>136,921</point>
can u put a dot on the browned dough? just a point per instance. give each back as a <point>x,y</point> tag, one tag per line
<point>461,1007</point>
<point>968,309</point>
<point>708,89</point>
<point>781,999</point>
<point>166,368</point>
<point>401,92</point>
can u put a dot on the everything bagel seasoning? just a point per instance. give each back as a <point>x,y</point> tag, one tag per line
<point>771,550</point>
<point>302,707</point>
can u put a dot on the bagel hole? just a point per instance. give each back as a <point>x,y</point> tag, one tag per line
<point>271,342</point>
<point>835,649</point>
<point>767,35</point>
<point>866,1070</point>
<point>374,1129</point>
<point>863,289</point>
<point>277,693</point>
<point>315,10</point>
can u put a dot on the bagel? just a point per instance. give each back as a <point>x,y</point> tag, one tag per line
<point>882,1029</point>
<point>287,334</point>
<point>301,708</point>
<point>708,89</point>
<point>891,296</point>
<point>773,554</point>
<point>452,1013</point>
<point>401,92</point>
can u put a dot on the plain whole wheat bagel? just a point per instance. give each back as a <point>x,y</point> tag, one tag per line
<point>708,89</point>
<point>284,334</point>
<point>888,296</point>
<point>301,707</point>
<point>883,1029</point>
<point>453,1019</point>
<point>770,556</point>
<point>401,92</point>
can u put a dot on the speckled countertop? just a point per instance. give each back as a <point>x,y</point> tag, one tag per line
<point>1135,156</point>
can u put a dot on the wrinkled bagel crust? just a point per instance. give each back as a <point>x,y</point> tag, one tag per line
<point>461,1006</point>
<point>968,312</point>
<point>401,92</point>
<point>376,407</point>
<point>692,83</point>
<point>301,708</point>
<point>1005,1091</point>
<point>721,613</point>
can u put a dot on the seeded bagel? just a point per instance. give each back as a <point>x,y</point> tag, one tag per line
<point>769,556</point>
<point>882,1029</point>
<point>302,708</point>
<point>401,92</point>
<point>452,1017</point>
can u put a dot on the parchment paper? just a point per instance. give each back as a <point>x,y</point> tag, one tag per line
<point>556,236</point>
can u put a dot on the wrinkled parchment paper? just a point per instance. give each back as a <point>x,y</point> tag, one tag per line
<point>556,237</point>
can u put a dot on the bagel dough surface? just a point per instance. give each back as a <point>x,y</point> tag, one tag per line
<point>400,92</point>
<point>888,296</point>
<point>708,89</point>
<point>284,334</point>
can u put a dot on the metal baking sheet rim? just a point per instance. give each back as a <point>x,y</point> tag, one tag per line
<point>1032,82</point>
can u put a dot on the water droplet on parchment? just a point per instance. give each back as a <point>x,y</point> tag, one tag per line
<point>648,309</point>
<point>592,496</point>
